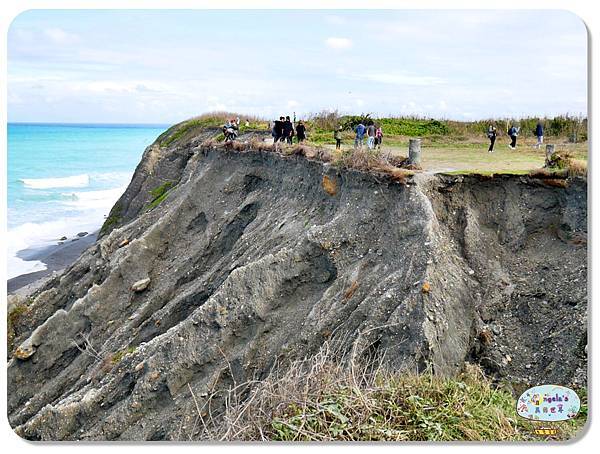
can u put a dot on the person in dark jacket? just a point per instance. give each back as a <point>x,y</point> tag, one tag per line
<point>360,135</point>
<point>278,130</point>
<point>288,130</point>
<point>492,134</point>
<point>513,132</point>
<point>539,133</point>
<point>337,135</point>
<point>301,131</point>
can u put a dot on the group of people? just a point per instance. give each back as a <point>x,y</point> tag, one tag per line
<point>231,129</point>
<point>374,136</point>
<point>513,133</point>
<point>283,130</point>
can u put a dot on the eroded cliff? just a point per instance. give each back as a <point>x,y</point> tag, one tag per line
<point>245,258</point>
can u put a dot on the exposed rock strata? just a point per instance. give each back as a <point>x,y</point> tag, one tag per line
<point>250,259</point>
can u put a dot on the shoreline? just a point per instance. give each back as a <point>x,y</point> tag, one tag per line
<point>56,257</point>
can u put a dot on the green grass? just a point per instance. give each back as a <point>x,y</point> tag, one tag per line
<point>333,397</point>
<point>159,194</point>
<point>412,408</point>
<point>451,146</point>
<point>187,129</point>
<point>558,126</point>
<point>448,146</point>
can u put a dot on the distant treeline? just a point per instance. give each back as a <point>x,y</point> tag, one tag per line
<point>573,127</point>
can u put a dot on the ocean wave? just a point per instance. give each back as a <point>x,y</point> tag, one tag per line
<point>75,181</point>
<point>103,199</point>
<point>110,178</point>
<point>74,212</point>
<point>35,235</point>
<point>32,235</point>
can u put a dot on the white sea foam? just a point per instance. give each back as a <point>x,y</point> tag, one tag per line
<point>90,208</point>
<point>17,266</point>
<point>75,181</point>
<point>30,235</point>
<point>93,200</point>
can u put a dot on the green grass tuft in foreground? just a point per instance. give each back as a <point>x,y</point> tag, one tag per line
<point>319,399</point>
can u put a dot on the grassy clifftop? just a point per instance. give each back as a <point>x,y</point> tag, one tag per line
<point>448,146</point>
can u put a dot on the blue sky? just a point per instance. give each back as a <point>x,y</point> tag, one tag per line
<point>118,66</point>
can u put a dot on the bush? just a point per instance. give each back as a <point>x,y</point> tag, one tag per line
<point>333,396</point>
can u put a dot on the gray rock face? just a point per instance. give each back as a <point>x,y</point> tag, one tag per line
<point>252,261</point>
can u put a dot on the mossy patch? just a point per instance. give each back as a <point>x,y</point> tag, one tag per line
<point>118,356</point>
<point>14,317</point>
<point>113,219</point>
<point>159,194</point>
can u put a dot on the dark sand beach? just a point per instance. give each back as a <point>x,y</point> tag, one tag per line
<point>56,257</point>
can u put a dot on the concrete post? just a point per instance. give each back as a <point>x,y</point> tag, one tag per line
<point>414,152</point>
<point>549,153</point>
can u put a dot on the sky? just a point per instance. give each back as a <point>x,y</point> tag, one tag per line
<point>149,66</point>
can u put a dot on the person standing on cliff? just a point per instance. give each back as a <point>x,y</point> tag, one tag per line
<point>288,130</point>
<point>278,130</point>
<point>492,133</point>
<point>539,133</point>
<point>360,135</point>
<point>337,135</point>
<point>378,137</point>
<point>371,135</point>
<point>513,132</point>
<point>301,131</point>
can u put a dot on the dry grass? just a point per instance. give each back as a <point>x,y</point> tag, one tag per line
<point>547,173</point>
<point>556,182</point>
<point>333,396</point>
<point>559,167</point>
<point>567,161</point>
<point>375,161</point>
<point>486,337</point>
<point>577,167</point>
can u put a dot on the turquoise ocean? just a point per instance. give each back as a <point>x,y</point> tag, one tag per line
<point>63,179</point>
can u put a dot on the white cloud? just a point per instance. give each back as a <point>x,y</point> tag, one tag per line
<point>338,43</point>
<point>59,36</point>
<point>336,20</point>
<point>402,79</point>
<point>139,87</point>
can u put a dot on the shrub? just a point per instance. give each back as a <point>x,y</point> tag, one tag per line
<point>334,396</point>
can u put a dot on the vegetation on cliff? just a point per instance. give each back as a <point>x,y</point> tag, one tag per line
<point>324,399</point>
